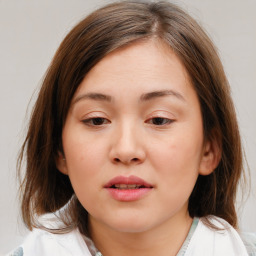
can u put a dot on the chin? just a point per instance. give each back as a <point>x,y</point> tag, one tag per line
<point>130,225</point>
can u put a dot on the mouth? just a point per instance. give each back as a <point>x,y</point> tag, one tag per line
<point>127,186</point>
<point>128,189</point>
<point>124,183</point>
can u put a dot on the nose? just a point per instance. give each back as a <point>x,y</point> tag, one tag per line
<point>127,146</point>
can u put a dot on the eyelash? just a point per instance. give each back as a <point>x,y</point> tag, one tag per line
<point>99,121</point>
<point>166,121</point>
<point>91,121</point>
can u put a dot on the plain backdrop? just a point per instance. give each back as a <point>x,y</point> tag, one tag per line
<point>31,31</point>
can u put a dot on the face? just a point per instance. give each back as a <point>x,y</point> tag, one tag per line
<point>133,139</point>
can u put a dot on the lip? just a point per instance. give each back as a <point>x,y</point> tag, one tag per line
<point>127,195</point>
<point>128,181</point>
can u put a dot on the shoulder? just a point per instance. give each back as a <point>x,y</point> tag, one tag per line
<point>207,240</point>
<point>43,243</point>
<point>249,240</point>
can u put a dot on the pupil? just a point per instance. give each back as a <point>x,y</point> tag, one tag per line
<point>98,121</point>
<point>158,121</point>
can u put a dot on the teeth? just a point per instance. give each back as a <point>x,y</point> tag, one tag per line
<point>126,186</point>
<point>132,186</point>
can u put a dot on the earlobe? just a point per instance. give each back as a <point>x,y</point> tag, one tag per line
<point>61,164</point>
<point>211,157</point>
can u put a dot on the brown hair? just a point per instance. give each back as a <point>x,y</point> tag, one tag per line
<point>46,190</point>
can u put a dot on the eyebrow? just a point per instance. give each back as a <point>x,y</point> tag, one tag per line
<point>143,97</point>
<point>157,94</point>
<point>93,96</point>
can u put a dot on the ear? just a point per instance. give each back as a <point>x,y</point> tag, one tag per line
<point>211,155</point>
<point>61,164</point>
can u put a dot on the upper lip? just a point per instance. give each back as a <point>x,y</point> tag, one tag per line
<point>130,180</point>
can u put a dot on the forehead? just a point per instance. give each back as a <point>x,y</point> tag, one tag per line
<point>142,66</point>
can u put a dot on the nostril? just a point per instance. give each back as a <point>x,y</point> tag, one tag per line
<point>117,160</point>
<point>135,159</point>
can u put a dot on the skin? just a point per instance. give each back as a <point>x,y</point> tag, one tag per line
<point>157,138</point>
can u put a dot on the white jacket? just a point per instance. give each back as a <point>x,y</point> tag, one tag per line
<point>202,241</point>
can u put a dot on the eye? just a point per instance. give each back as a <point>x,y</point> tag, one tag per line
<point>160,121</point>
<point>96,121</point>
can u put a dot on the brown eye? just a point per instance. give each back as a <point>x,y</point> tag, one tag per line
<point>96,121</point>
<point>160,121</point>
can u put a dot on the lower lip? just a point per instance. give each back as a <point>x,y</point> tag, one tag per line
<point>128,195</point>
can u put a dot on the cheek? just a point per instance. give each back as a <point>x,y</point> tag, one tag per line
<point>85,158</point>
<point>177,166</point>
<point>84,171</point>
<point>83,150</point>
<point>178,158</point>
<point>178,154</point>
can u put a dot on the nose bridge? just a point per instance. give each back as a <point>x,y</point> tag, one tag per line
<point>127,145</point>
<point>128,134</point>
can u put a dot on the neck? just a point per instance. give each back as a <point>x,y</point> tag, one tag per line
<point>165,239</point>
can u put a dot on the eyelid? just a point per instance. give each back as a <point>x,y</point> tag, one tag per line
<point>161,114</point>
<point>95,114</point>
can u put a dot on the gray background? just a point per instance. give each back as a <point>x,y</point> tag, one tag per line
<point>31,32</point>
